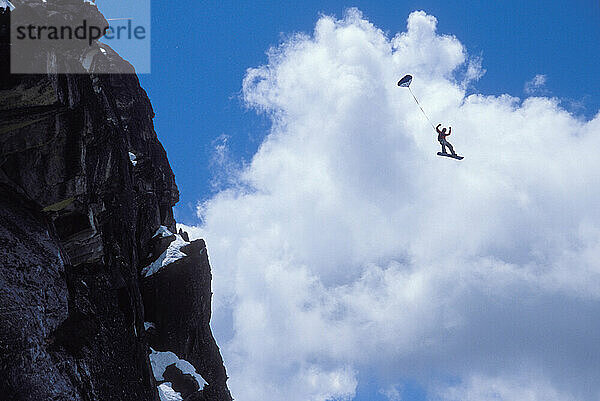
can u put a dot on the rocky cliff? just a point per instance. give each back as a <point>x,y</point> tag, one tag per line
<point>100,298</point>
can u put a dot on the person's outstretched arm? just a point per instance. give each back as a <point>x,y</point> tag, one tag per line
<point>438,128</point>
<point>449,130</point>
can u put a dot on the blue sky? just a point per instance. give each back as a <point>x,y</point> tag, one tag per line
<point>201,50</point>
<point>345,252</point>
<point>124,19</point>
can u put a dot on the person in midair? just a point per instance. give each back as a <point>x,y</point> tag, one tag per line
<point>442,139</point>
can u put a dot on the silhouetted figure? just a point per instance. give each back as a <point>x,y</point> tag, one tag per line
<point>442,139</point>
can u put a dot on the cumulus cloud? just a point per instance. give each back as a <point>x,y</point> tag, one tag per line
<point>537,85</point>
<point>392,393</point>
<point>350,248</point>
<point>508,388</point>
<point>222,164</point>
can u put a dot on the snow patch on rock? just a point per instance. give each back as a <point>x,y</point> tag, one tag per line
<point>162,232</point>
<point>132,158</point>
<point>161,360</point>
<point>166,393</point>
<point>6,4</point>
<point>170,255</point>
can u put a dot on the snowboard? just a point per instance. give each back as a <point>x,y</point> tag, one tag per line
<point>457,157</point>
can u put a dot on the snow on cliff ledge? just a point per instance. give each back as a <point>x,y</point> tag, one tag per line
<point>171,254</point>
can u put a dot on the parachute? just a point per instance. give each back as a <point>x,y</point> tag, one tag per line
<point>405,83</point>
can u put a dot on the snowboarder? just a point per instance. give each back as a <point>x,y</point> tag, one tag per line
<point>405,83</point>
<point>442,139</point>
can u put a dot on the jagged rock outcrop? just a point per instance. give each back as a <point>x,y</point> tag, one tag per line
<point>183,319</point>
<point>85,185</point>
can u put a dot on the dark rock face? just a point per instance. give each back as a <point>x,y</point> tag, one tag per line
<point>77,220</point>
<point>182,383</point>
<point>33,303</point>
<point>178,300</point>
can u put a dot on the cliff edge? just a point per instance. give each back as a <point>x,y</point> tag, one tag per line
<point>100,297</point>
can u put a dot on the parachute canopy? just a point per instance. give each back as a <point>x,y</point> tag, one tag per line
<point>405,81</point>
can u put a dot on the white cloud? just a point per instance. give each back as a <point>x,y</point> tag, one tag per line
<point>474,71</point>
<point>352,248</point>
<point>392,393</point>
<point>537,85</point>
<point>223,166</point>
<point>507,389</point>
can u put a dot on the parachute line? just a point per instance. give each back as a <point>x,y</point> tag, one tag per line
<point>418,104</point>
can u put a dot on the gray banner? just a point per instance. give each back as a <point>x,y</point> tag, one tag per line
<point>59,36</point>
